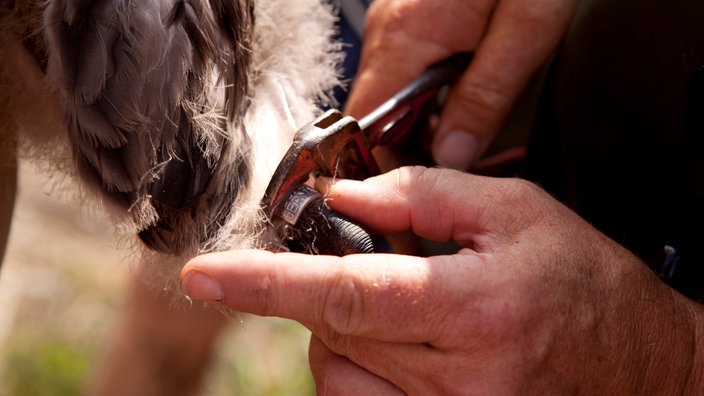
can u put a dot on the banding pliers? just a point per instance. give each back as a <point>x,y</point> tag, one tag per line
<point>340,146</point>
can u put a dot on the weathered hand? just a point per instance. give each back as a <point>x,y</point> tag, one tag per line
<point>536,302</point>
<point>511,40</point>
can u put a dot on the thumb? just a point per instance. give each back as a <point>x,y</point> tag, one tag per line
<point>473,114</point>
<point>519,40</point>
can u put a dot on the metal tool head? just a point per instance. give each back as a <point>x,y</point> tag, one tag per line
<point>338,146</point>
<point>331,145</point>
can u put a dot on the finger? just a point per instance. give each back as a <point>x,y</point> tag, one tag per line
<point>370,296</point>
<point>412,368</point>
<point>437,204</point>
<point>520,38</point>
<point>399,44</point>
<point>337,375</point>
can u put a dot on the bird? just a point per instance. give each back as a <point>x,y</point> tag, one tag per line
<point>170,116</point>
<point>176,112</point>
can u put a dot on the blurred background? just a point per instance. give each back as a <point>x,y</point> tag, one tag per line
<point>62,286</point>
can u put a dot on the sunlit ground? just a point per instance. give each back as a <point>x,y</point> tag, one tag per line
<point>62,285</point>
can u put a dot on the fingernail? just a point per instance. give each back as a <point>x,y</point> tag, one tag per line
<point>202,287</point>
<point>456,150</point>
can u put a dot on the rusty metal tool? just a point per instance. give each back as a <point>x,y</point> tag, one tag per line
<point>340,146</point>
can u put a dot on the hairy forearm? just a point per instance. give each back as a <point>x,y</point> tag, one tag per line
<point>656,329</point>
<point>665,337</point>
<point>695,379</point>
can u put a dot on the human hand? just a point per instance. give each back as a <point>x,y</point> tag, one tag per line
<point>536,302</point>
<point>511,39</point>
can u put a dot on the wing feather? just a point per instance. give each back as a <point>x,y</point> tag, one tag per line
<point>152,91</point>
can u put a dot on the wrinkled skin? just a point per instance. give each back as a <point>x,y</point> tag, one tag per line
<point>536,302</point>
<point>511,40</point>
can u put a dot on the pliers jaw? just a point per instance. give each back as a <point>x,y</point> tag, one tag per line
<point>331,145</point>
<point>334,145</point>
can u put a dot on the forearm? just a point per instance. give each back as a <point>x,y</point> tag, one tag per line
<point>663,333</point>
<point>695,379</point>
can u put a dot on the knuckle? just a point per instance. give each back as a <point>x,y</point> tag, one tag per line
<point>502,319</point>
<point>344,304</point>
<point>481,99</point>
<point>537,15</point>
<point>517,204</point>
<point>414,179</point>
<point>264,293</point>
<point>392,27</point>
<point>392,16</point>
<point>409,176</point>
<point>516,190</point>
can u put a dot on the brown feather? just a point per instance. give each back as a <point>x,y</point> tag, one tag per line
<point>152,91</point>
